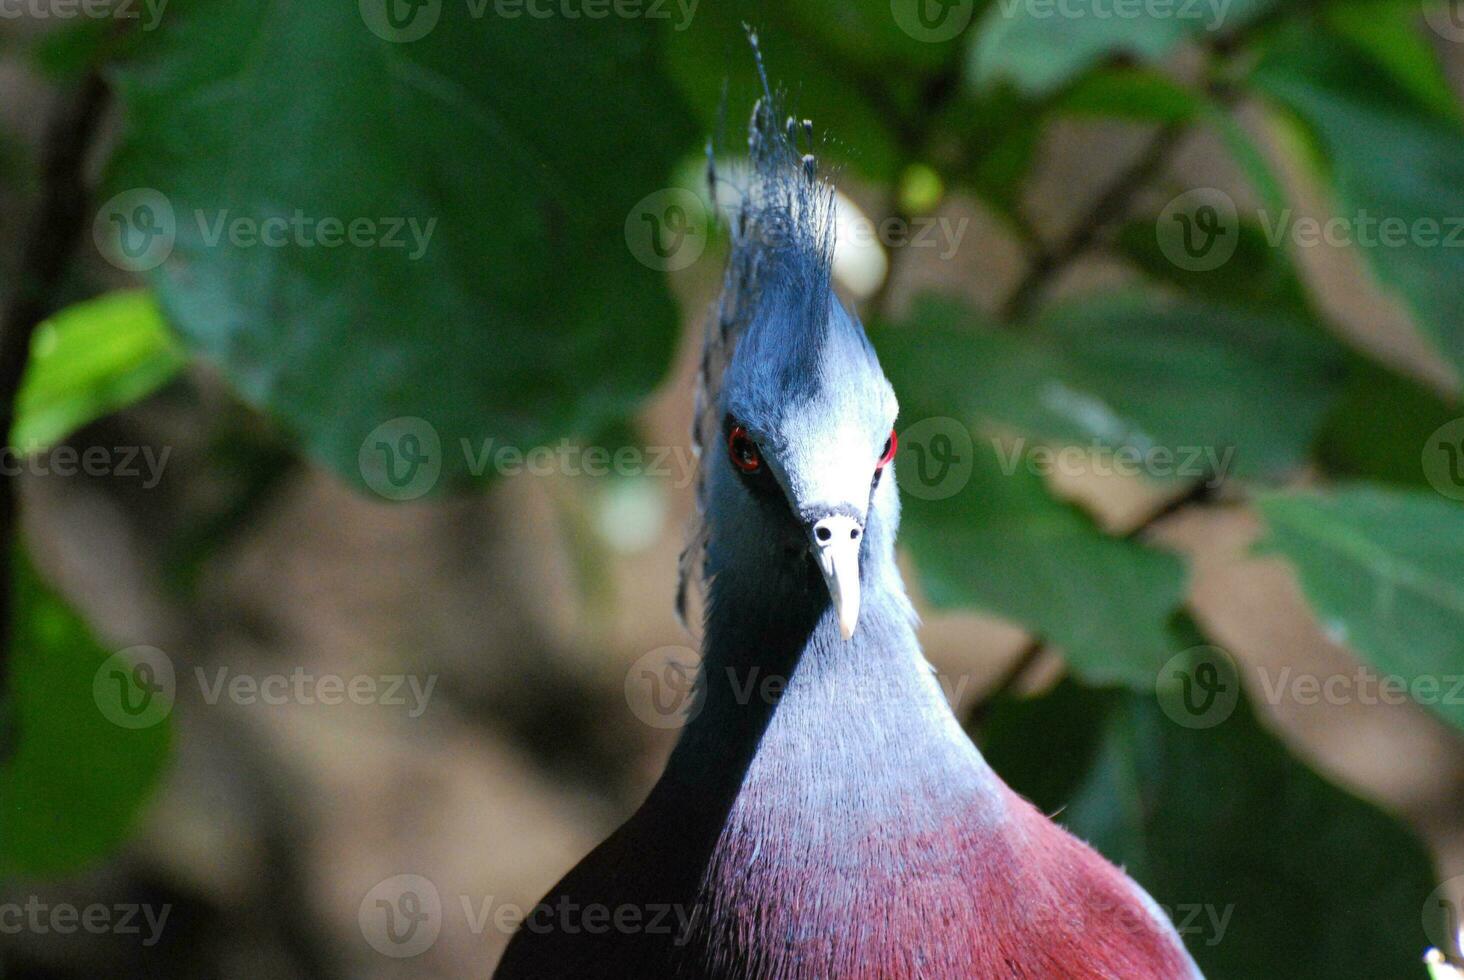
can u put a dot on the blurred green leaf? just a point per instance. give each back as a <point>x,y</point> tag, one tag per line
<point>72,790</point>
<point>68,50</point>
<point>1003,545</point>
<point>1391,34</point>
<point>869,34</point>
<point>1379,430</point>
<point>1382,570</point>
<point>491,167</point>
<point>1268,870</point>
<point>89,360</point>
<point>1041,45</point>
<point>1257,276</point>
<point>1214,389</point>
<point>852,107</point>
<point>1139,94</point>
<point>1365,125</point>
<point>999,133</point>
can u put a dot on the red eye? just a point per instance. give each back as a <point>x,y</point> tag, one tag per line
<point>743,450</point>
<point>891,445</point>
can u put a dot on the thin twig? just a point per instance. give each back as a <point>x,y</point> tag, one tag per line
<point>49,241</point>
<point>1110,206</point>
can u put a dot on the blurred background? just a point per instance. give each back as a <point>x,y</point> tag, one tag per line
<point>348,353</point>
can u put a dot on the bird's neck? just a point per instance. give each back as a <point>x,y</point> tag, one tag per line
<point>787,700</point>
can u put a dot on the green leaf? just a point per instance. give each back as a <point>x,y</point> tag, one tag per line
<point>995,540</point>
<point>999,133</point>
<point>89,360</point>
<point>73,789</point>
<point>1210,390</point>
<point>1256,276</point>
<point>1267,870</point>
<point>711,64</point>
<point>68,51</point>
<point>491,168</point>
<point>1367,128</point>
<point>1381,568</point>
<point>869,34</point>
<point>1041,45</point>
<point>1390,34</point>
<point>1139,94</point>
<point>1380,428</point>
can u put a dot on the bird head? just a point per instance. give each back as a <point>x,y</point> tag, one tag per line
<point>808,444</point>
<point>797,422</point>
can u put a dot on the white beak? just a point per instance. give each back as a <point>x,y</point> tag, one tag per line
<point>836,543</point>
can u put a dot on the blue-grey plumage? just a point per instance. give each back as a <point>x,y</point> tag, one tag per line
<point>785,361</point>
<point>840,823</point>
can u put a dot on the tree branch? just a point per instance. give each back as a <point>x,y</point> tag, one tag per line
<point>1110,206</point>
